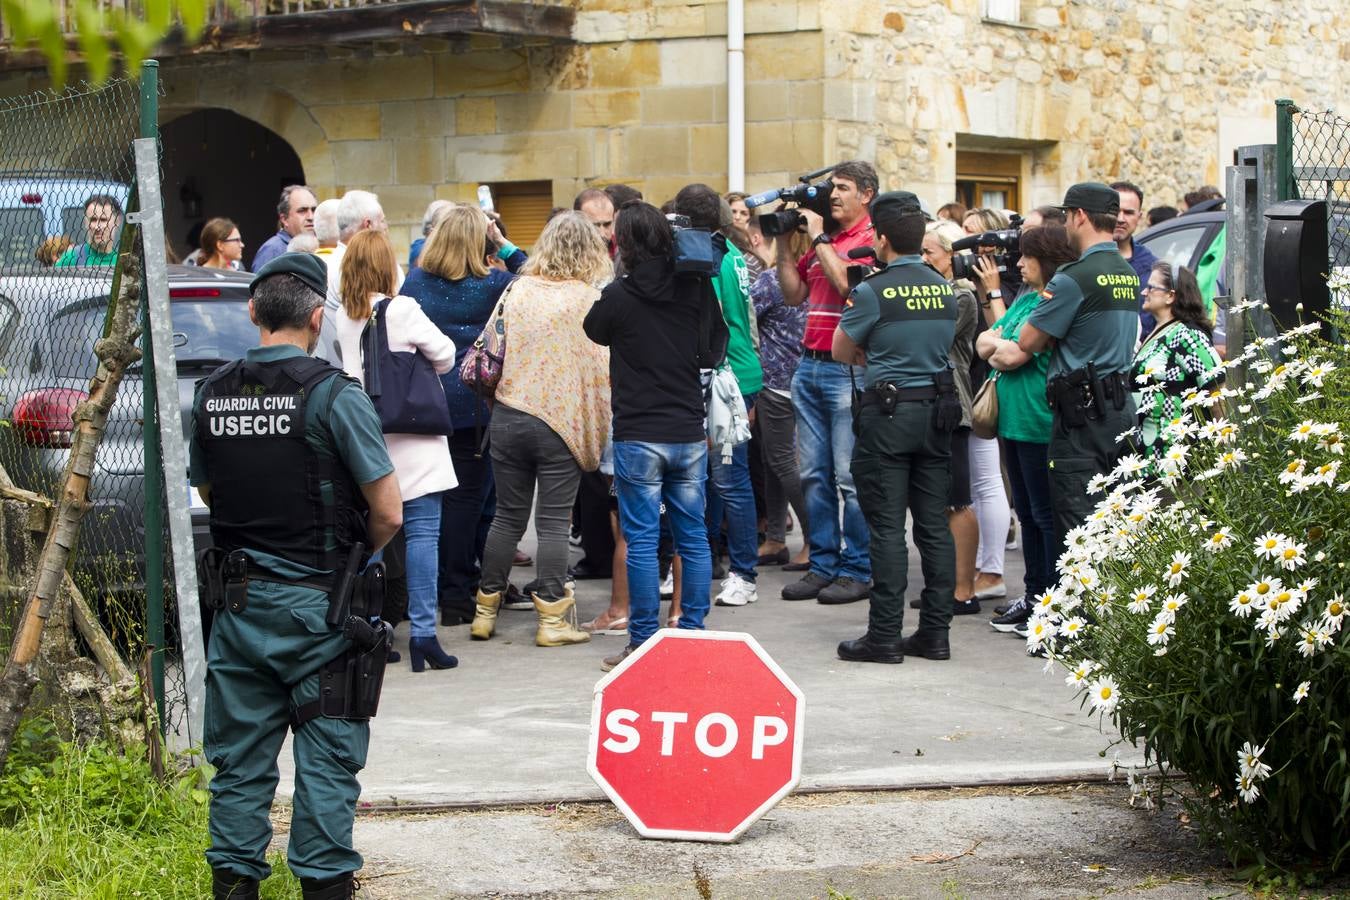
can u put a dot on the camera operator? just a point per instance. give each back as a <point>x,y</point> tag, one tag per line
<point>1090,312</point>
<point>822,392</point>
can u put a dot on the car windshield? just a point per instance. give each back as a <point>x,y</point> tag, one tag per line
<point>204,331</point>
<point>1176,246</point>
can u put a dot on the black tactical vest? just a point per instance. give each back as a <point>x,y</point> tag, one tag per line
<point>268,483</point>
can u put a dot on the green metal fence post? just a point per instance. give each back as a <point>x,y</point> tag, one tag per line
<point>154,468</point>
<point>1284,150</point>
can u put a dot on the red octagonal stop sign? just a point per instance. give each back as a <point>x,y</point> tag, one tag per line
<point>696,735</point>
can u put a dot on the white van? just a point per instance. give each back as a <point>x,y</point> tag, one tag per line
<point>36,205</point>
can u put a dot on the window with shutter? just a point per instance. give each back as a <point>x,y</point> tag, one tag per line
<point>524,207</point>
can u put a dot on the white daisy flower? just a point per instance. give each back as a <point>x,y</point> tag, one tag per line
<point>1273,636</point>
<point>1161,631</point>
<point>1104,695</point>
<point>1292,555</point>
<point>1039,630</point>
<point>1292,471</point>
<point>1140,599</point>
<point>1307,641</point>
<point>1242,604</point>
<point>1130,465</point>
<point>1317,371</point>
<point>1220,540</point>
<point>1301,691</point>
<point>1269,545</point>
<point>1335,610</point>
<point>1332,443</point>
<point>1325,474</point>
<point>1249,761</point>
<point>1176,570</point>
<point>1303,431</point>
<point>1263,589</point>
<point>1072,627</point>
<point>1324,636</point>
<point>1248,789</point>
<point>1171,604</point>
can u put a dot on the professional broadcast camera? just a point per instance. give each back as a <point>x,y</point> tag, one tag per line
<point>1007,244</point>
<point>815,197</point>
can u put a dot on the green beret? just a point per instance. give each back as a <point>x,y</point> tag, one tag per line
<point>305,266</point>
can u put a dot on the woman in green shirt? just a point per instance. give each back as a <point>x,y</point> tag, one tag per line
<point>1023,413</point>
<point>1176,357</point>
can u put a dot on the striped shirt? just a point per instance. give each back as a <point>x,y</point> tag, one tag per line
<point>824,303</point>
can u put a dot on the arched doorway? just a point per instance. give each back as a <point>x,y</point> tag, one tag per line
<point>218,163</point>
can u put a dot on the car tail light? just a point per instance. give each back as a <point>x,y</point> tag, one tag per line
<point>31,199</point>
<point>180,293</point>
<point>46,417</point>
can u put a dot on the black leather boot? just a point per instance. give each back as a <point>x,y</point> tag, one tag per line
<point>928,644</point>
<point>871,649</point>
<point>342,887</point>
<point>228,885</point>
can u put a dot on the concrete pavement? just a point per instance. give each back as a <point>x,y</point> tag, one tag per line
<point>510,725</point>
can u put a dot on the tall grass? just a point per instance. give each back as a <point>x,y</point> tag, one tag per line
<point>88,822</point>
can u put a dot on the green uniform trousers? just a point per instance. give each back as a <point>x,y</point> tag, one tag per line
<point>261,663</point>
<point>1077,454</point>
<point>902,462</point>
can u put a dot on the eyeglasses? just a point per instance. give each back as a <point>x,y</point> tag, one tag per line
<point>232,240</point>
<point>1156,287</point>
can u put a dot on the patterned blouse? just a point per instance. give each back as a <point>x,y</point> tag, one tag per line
<point>552,371</point>
<point>1171,361</point>
<point>780,331</point>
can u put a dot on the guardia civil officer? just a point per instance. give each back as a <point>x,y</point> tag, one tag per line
<point>1089,312</point>
<point>288,453</point>
<point>900,323</point>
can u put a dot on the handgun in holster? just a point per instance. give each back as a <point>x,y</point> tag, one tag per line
<point>1096,392</point>
<point>234,572</point>
<point>947,410</point>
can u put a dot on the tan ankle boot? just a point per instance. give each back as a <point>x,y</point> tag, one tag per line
<point>485,616</point>
<point>554,629</point>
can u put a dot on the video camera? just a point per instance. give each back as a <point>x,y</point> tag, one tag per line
<point>805,194</point>
<point>1008,252</point>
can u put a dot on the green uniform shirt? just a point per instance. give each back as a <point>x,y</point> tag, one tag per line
<point>85,255</point>
<point>1023,412</point>
<point>347,427</point>
<point>905,318</point>
<point>732,286</point>
<point>1091,307</point>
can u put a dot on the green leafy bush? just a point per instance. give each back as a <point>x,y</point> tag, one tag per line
<point>1201,606</point>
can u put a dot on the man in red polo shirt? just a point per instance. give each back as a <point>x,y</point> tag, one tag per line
<point>822,393</point>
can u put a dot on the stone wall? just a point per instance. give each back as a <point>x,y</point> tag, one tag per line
<point>1150,90</point>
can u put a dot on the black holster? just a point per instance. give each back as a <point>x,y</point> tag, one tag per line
<point>1082,395</point>
<point>350,685</point>
<point>210,583</point>
<point>947,409</point>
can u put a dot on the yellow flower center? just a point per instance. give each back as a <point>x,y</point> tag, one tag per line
<point>1106,692</point>
<point>1293,467</point>
<point>1335,609</point>
<point>1263,588</point>
<point>1290,553</point>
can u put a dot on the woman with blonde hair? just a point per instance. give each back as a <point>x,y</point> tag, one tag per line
<point>421,461</point>
<point>550,419</point>
<point>458,291</point>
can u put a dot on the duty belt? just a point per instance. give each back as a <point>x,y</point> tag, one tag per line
<point>821,355</point>
<point>871,397</point>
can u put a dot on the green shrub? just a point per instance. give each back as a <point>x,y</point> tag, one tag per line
<point>91,822</point>
<point>1201,605</point>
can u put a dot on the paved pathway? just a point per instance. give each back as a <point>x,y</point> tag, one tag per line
<point>511,723</point>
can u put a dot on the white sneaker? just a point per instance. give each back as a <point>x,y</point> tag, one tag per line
<point>668,586</point>
<point>737,591</point>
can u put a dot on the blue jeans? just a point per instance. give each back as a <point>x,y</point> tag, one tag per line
<point>644,475</point>
<point>1029,477</point>
<point>731,496</point>
<point>422,530</point>
<point>822,395</point>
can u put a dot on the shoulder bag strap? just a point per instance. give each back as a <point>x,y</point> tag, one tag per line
<point>374,341</point>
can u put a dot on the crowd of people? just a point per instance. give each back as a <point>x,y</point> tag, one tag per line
<point>600,419</point>
<point>679,387</point>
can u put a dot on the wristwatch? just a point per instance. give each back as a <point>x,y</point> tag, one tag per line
<point>995,293</point>
<point>821,238</point>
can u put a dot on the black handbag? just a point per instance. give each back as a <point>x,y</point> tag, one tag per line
<point>402,384</point>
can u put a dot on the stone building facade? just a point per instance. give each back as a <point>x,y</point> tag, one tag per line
<point>1010,99</point>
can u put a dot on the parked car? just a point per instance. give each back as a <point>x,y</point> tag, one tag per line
<point>49,322</point>
<point>39,204</point>
<point>1184,240</point>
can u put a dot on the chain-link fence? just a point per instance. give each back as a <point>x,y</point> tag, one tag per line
<point>1320,159</point>
<point>66,188</point>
